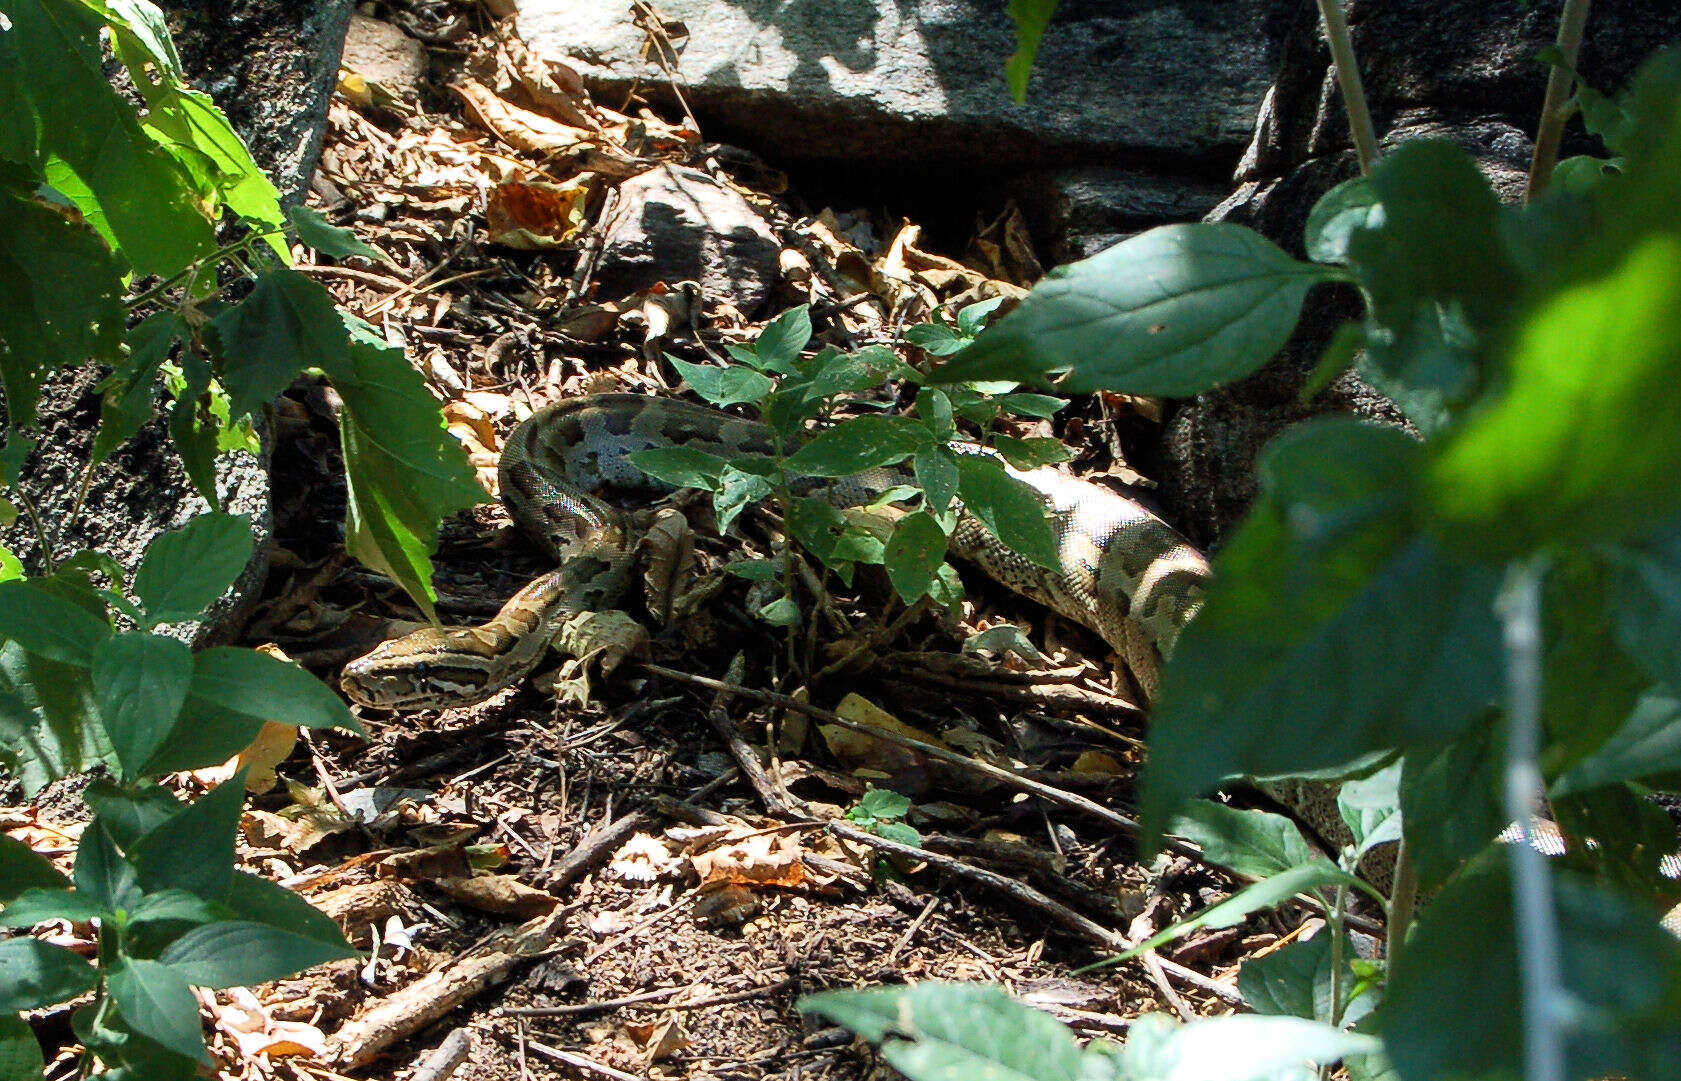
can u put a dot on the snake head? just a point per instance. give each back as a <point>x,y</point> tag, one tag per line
<point>431,667</point>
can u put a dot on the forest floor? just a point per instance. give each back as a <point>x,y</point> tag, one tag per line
<point>602,890</point>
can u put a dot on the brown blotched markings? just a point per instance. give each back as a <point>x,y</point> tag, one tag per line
<point>1125,573</point>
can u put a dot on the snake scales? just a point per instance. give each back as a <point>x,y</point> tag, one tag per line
<point>1125,573</point>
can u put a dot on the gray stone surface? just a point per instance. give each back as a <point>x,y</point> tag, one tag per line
<point>674,224</point>
<point>1080,211</point>
<point>382,53</point>
<point>1462,70</point>
<point>922,80</point>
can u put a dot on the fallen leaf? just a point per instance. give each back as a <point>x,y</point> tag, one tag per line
<point>535,215</point>
<point>504,895</point>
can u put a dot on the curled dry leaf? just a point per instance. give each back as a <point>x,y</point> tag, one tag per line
<point>553,86</point>
<point>255,1033</point>
<point>760,859</point>
<point>570,149</point>
<point>668,553</point>
<point>727,905</point>
<point>503,895</point>
<point>657,1040</point>
<point>643,859</point>
<point>532,215</point>
<point>605,637</point>
<point>272,746</point>
<point>900,768</point>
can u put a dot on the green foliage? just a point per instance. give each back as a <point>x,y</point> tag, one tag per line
<point>952,1032</point>
<point>882,812</point>
<point>1031,18</point>
<point>842,485</point>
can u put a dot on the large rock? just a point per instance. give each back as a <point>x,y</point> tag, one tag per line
<point>673,224</point>
<point>1462,70</point>
<point>1079,211</point>
<point>922,80</point>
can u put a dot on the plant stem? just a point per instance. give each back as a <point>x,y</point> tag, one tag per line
<point>1551,129</point>
<point>1348,81</point>
<point>1403,898</point>
<point>76,506</point>
<point>1339,907</point>
<point>1535,923</point>
<point>48,563</point>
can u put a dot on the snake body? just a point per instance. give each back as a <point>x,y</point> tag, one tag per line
<point>1125,573</point>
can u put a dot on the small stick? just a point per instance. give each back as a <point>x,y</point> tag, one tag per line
<point>576,1008</point>
<point>776,799</point>
<point>916,925</point>
<point>588,1065</point>
<point>446,1058</point>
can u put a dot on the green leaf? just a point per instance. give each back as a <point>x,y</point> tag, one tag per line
<point>1174,311</point>
<point>240,954</point>
<point>1031,18</point>
<point>1031,453</point>
<point>1296,662</point>
<point>64,121</point>
<point>1371,808</point>
<point>1621,971</point>
<point>680,467</point>
<point>951,1031</point>
<point>1256,897</point>
<point>314,231</point>
<point>20,1052</point>
<point>781,612</point>
<point>723,386</point>
<point>403,469</point>
<point>63,293</point>
<point>34,974</point>
<point>174,907</point>
<point>736,491</point>
<point>185,570</point>
<point>1583,444</point>
<point>1437,276</point>
<point>101,872</point>
<point>21,869</point>
<point>1010,510</point>
<point>11,568</point>
<point>1235,1048</point>
<point>256,899</point>
<point>288,323</point>
<point>107,1034</point>
<point>1648,748</point>
<point>1247,842</point>
<point>1644,602</point>
<point>936,471</point>
<point>1296,981</point>
<point>884,803</point>
<point>131,812</point>
<point>1450,803</point>
<point>1042,406</point>
<point>780,343</point>
<point>898,831</point>
<point>38,906</point>
<point>1350,206</point>
<point>130,392</point>
<point>49,626</point>
<point>914,553</point>
<point>972,317</point>
<point>755,570</point>
<point>193,849</point>
<point>140,681</point>
<point>158,1003</point>
<point>855,445</point>
<point>936,339</point>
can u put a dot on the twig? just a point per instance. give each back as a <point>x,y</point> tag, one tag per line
<point>881,635</point>
<point>576,1008</point>
<point>1546,1006</point>
<point>1572,21</point>
<point>597,845</point>
<point>446,1058</point>
<point>916,925</point>
<point>771,793</point>
<point>1348,81</point>
<point>588,1065</point>
<point>1157,969</point>
<point>734,996</point>
<point>1064,916</point>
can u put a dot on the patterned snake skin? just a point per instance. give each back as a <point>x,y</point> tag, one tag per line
<point>1126,574</point>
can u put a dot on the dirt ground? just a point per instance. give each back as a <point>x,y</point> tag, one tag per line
<point>604,890</point>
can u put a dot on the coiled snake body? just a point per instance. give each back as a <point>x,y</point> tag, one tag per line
<point>1125,573</point>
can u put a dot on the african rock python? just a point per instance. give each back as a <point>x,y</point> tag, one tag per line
<point>1125,573</point>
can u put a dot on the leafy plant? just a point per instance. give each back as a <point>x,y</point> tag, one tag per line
<point>882,812</point>
<point>155,875</point>
<point>1489,612</point>
<point>855,459</point>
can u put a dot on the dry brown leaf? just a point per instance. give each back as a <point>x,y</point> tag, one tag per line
<point>531,215</point>
<point>553,85</point>
<point>668,553</point>
<point>605,637</point>
<point>762,859</point>
<point>426,864</point>
<point>561,145</point>
<point>254,1032</point>
<point>297,831</point>
<point>504,895</point>
<point>899,768</point>
<point>657,1040</point>
<point>272,746</point>
<point>1097,762</point>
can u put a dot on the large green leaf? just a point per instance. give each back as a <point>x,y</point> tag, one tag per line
<point>60,117</point>
<point>287,324</point>
<point>240,954</point>
<point>48,626</point>
<point>403,469</point>
<point>1174,311</point>
<point>1583,444</point>
<point>20,1052</point>
<point>34,974</point>
<point>1235,1048</point>
<point>62,295</point>
<point>158,1003</point>
<point>913,554</point>
<point>954,1031</point>
<point>21,869</point>
<point>129,393</point>
<point>38,906</point>
<point>48,726</point>
<point>1296,981</point>
<point>102,873</point>
<point>723,386</point>
<point>140,681</point>
<point>855,445</point>
<point>256,899</point>
<point>1248,842</point>
<point>1297,662</point>
<point>1622,971</point>
<point>1450,802</point>
<point>1339,213</point>
<point>192,850</point>
<point>1434,269</point>
<point>1031,18</point>
<point>315,231</point>
<point>1646,748</point>
<point>185,570</point>
<point>1644,602</point>
<point>1010,510</point>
